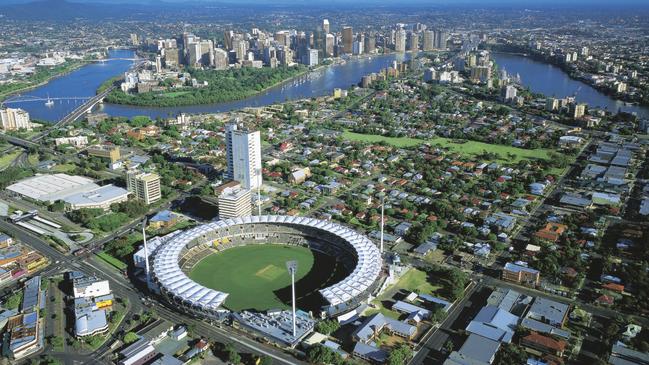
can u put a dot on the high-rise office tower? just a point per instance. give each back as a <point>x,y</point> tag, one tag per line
<point>145,186</point>
<point>220,59</point>
<point>370,43</point>
<point>400,41</point>
<point>428,41</point>
<point>243,153</point>
<point>283,38</point>
<point>240,48</point>
<point>440,39</point>
<point>412,41</point>
<point>329,45</point>
<point>348,40</point>
<point>228,35</point>
<point>325,26</point>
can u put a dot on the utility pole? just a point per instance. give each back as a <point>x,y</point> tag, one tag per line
<point>292,269</point>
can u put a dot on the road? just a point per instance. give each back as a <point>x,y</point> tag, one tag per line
<point>123,289</point>
<point>436,339</point>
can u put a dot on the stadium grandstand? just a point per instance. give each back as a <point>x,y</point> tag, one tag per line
<point>172,260</point>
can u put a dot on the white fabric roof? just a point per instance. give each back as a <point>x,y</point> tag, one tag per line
<point>170,277</point>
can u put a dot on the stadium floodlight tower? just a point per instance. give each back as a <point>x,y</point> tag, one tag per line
<point>146,253</point>
<point>292,269</point>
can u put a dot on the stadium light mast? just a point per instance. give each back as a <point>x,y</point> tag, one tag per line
<point>292,269</point>
<point>146,252</point>
<point>382,220</point>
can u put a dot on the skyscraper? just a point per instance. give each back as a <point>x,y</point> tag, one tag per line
<point>428,41</point>
<point>348,40</point>
<point>325,26</point>
<point>329,45</point>
<point>400,41</point>
<point>243,154</point>
<point>440,39</point>
<point>370,43</point>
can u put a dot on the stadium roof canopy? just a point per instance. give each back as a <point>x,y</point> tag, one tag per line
<point>173,280</point>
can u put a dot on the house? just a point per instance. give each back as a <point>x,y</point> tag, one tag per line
<point>375,324</point>
<point>540,345</point>
<point>551,232</point>
<point>407,308</point>
<point>476,350</point>
<point>549,311</point>
<point>501,221</point>
<point>621,355</point>
<point>576,200</point>
<point>163,219</point>
<point>299,175</point>
<point>402,229</point>
<point>494,323</point>
<point>521,274</point>
<point>607,199</point>
<point>370,353</point>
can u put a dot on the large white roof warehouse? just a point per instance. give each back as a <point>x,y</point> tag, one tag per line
<point>180,289</point>
<point>49,188</point>
<point>77,191</point>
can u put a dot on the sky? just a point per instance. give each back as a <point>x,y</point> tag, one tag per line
<point>519,3</point>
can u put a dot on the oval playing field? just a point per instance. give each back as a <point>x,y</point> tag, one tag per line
<point>252,274</point>
<point>240,263</point>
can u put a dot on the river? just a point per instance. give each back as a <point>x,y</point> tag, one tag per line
<point>85,81</point>
<point>550,80</point>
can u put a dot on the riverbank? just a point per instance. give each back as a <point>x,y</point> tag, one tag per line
<point>73,66</point>
<point>223,86</point>
<point>572,72</point>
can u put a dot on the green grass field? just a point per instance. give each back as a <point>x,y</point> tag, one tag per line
<point>251,274</point>
<point>174,94</point>
<point>471,148</point>
<point>116,263</point>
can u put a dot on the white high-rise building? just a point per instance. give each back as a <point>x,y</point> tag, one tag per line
<point>14,119</point>
<point>243,153</point>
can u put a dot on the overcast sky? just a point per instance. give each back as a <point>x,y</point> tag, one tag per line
<point>519,3</point>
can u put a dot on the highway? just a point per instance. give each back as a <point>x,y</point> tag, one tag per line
<point>122,288</point>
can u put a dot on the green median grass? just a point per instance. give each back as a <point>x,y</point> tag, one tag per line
<point>112,261</point>
<point>250,274</point>
<point>464,147</point>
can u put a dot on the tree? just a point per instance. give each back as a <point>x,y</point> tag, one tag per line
<point>400,355</point>
<point>231,354</point>
<point>327,326</point>
<point>130,337</point>
<point>266,360</point>
<point>510,354</point>
<point>319,354</point>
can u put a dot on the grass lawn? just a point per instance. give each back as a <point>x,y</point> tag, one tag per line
<point>5,160</point>
<point>471,148</point>
<point>33,159</point>
<point>174,94</point>
<point>251,274</point>
<point>64,167</point>
<point>415,280</point>
<point>112,261</point>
